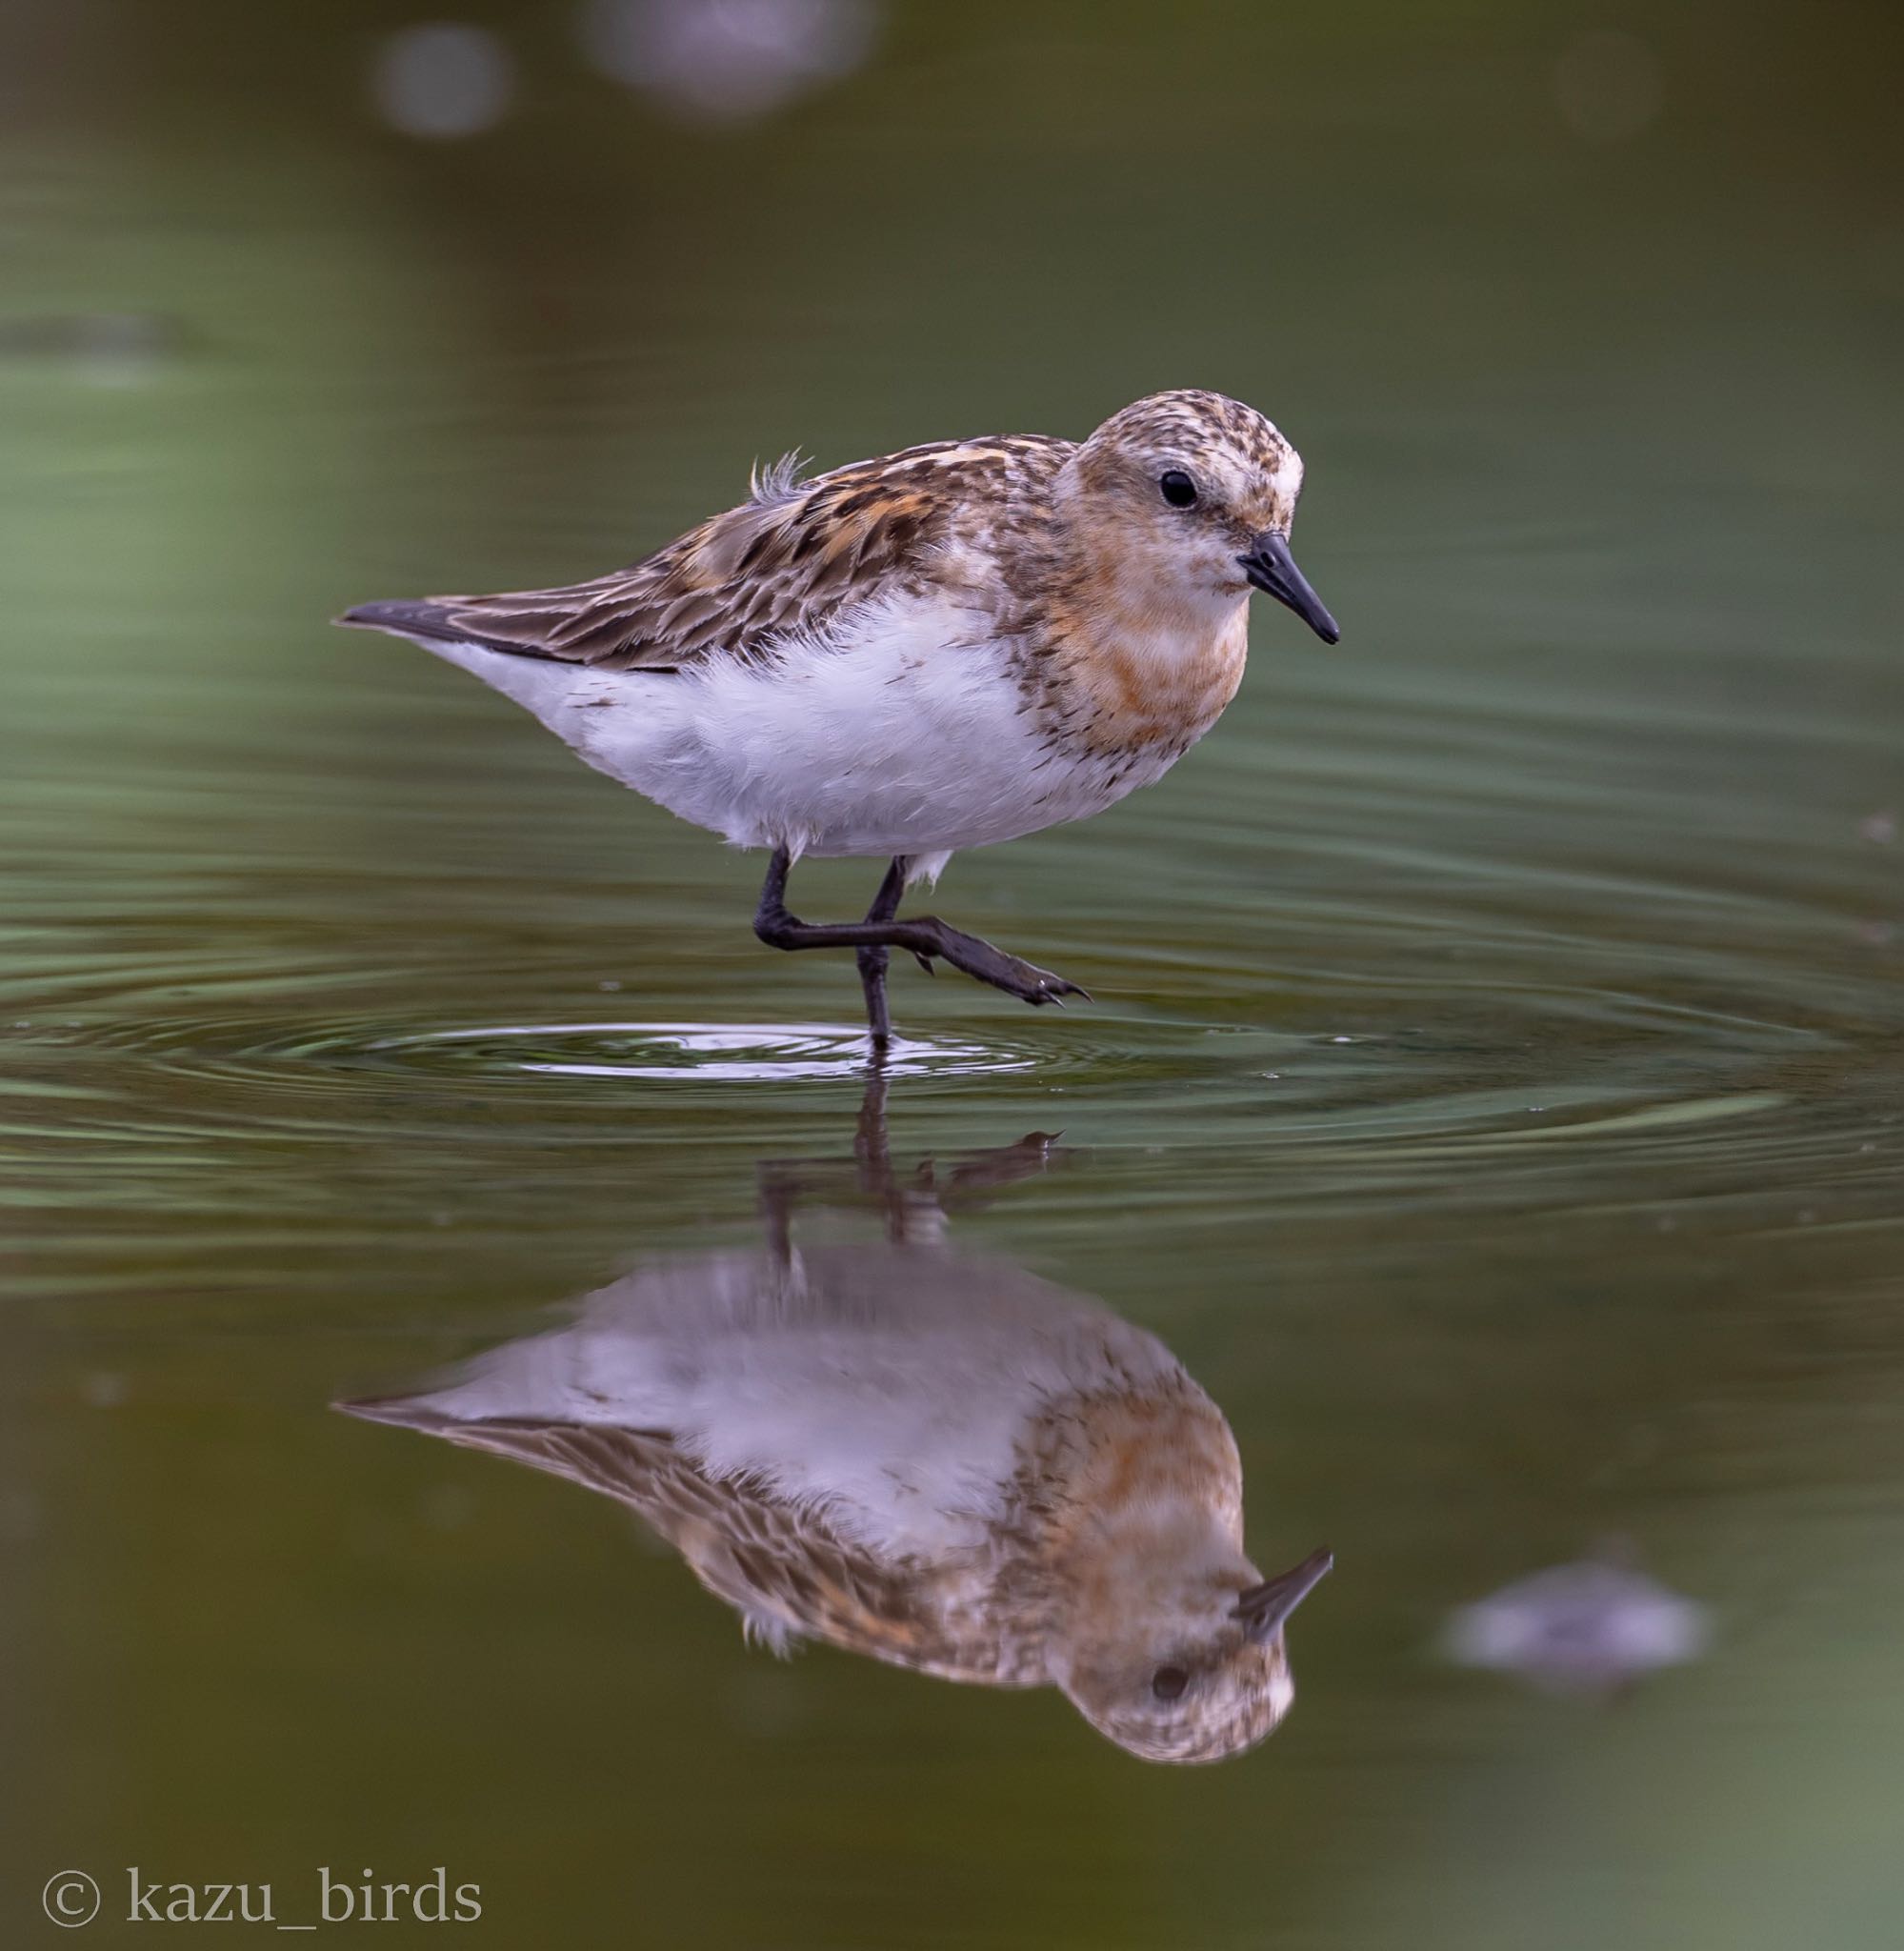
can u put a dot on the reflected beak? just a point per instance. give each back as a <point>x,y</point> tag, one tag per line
<point>1272,569</point>
<point>1263,1608</point>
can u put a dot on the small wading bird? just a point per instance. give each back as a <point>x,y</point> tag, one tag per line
<point>944,648</point>
<point>916,1454</point>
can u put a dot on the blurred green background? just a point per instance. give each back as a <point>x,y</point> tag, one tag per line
<point>1495,1087</point>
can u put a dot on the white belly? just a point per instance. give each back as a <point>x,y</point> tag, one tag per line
<point>903,732</point>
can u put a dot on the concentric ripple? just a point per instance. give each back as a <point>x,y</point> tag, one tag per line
<point>753,1052</point>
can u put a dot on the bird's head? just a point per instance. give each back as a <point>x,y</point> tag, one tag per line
<point>1185,500</point>
<point>1195,1671</point>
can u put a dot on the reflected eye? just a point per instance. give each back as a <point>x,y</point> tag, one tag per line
<point>1180,492</point>
<point>1167,1683</point>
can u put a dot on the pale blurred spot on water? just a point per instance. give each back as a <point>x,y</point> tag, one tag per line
<point>727,60</point>
<point>444,80</point>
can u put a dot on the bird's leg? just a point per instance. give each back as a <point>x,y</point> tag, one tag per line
<point>871,959</point>
<point>871,1148</point>
<point>924,936</point>
<point>783,1185</point>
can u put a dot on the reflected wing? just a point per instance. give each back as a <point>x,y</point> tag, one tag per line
<point>789,558</point>
<point>780,1566</point>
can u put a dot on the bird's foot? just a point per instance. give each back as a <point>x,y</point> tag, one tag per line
<point>984,963</point>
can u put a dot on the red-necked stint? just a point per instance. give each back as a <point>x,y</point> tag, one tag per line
<point>946,647</point>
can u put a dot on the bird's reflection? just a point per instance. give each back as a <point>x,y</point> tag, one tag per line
<point>915,1453</point>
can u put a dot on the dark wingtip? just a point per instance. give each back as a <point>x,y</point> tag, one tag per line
<point>400,1409</point>
<point>405,618</point>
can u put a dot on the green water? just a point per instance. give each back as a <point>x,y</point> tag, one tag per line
<point>1494,1090</point>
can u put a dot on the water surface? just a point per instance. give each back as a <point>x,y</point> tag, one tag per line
<point>1494,1091</point>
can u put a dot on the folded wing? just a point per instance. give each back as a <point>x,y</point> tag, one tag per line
<point>789,558</point>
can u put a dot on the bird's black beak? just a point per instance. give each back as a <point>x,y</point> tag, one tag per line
<point>1272,569</point>
<point>1263,1608</point>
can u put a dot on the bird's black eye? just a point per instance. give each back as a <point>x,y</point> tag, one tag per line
<point>1167,1683</point>
<point>1180,492</point>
